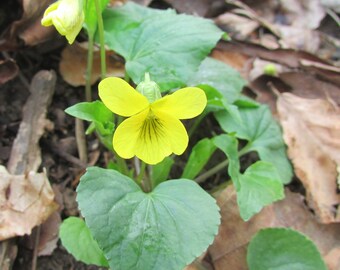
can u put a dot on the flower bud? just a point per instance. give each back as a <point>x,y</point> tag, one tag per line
<point>149,89</point>
<point>67,16</point>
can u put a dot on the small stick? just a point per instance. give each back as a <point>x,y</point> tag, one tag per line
<point>35,250</point>
<point>81,140</point>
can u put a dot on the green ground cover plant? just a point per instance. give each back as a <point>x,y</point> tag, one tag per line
<point>135,217</point>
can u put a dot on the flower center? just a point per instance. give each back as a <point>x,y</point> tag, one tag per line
<point>152,128</point>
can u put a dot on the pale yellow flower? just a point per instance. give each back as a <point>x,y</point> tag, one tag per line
<point>67,16</point>
<point>153,130</point>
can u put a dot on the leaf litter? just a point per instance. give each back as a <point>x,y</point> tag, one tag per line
<point>25,202</point>
<point>311,129</point>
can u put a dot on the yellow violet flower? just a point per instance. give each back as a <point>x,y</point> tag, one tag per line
<point>153,130</point>
<point>67,16</point>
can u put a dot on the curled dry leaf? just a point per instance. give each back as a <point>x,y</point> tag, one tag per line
<point>240,25</point>
<point>291,22</point>
<point>298,83</point>
<point>203,8</point>
<point>28,29</point>
<point>311,130</point>
<point>229,249</point>
<point>25,202</point>
<point>306,85</point>
<point>303,13</point>
<point>299,38</point>
<point>73,64</point>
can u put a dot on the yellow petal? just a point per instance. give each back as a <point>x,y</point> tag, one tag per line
<point>127,134</point>
<point>152,145</point>
<point>174,131</point>
<point>67,16</point>
<point>48,14</point>
<point>120,97</point>
<point>185,103</point>
<point>73,33</point>
<point>150,137</point>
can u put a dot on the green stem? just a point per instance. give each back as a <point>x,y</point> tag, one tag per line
<point>127,77</point>
<point>141,172</point>
<point>244,150</point>
<point>101,39</point>
<point>143,180</point>
<point>196,123</point>
<point>212,171</point>
<point>203,177</point>
<point>88,95</point>
<point>123,168</point>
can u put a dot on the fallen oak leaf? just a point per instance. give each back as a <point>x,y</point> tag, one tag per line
<point>73,64</point>
<point>28,29</point>
<point>311,129</point>
<point>25,202</point>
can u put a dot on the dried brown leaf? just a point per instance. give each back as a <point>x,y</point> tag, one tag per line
<point>25,202</point>
<point>73,64</point>
<point>288,57</point>
<point>311,130</point>
<point>326,71</point>
<point>28,29</point>
<point>291,23</point>
<point>303,13</point>
<point>204,8</point>
<point>234,23</point>
<point>298,38</point>
<point>48,231</point>
<point>237,60</point>
<point>306,85</point>
<point>230,246</point>
<point>298,83</point>
<point>8,70</point>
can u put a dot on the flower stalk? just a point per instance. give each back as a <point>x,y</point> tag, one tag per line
<point>101,39</point>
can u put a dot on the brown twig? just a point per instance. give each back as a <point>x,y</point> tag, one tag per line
<point>35,250</point>
<point>25,154</point>
<point>81,140</point>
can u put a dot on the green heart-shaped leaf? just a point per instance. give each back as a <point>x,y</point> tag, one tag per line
<point>220,76</point>
<point>260,185</point>
<point>263,134</point>
<point>283,249</point>
<point>168,46</point>
<point>164,229</point>
<point>77,239</point>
